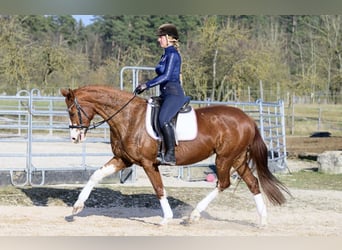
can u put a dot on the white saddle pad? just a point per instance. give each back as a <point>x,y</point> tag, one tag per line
<point>186,127</point>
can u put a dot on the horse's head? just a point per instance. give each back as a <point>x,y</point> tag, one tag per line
<point>80,116</point>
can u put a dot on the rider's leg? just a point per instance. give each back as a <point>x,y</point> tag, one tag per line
<point>169,139</point>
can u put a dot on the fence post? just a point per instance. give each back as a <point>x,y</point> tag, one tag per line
<point>29,137</point>
<point>19,106</point>
<point>50,117</point>
<point>261,121</point>
<point>292,116</point>
<point>30,134</point>
<point>261,90</point>
<point>319,118</point>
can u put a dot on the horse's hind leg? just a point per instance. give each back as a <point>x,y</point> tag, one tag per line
<point>252,183</point>
<point>202,205</point>
<point>223,174</point>
<point>113,166</point>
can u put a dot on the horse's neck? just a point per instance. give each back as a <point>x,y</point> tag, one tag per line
<point>119,107</point>
<point>107,105</point>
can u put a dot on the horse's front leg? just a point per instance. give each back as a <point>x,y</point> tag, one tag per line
<point>157,183</point>
<point>111,167</point>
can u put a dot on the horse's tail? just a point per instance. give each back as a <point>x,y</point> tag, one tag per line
<point>270,185</point>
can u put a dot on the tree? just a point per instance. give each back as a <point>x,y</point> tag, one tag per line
<point>331,49</point>
<point>15,48</point>
<point>224,60</point>
<point>222,55</point>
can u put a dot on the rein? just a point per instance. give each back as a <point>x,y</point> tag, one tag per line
<point>97,124</point>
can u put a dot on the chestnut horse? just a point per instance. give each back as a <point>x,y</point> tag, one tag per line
<point>222,130</point>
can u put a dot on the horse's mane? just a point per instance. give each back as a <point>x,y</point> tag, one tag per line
<point>108,94</point>
<point>104,88</point>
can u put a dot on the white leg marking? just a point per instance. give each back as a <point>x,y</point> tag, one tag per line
<point>261,208</point>
<point>203,204</point>
<point>96,177</point>
<point>167,212</point>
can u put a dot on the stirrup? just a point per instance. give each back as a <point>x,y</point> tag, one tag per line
<point>161,159</point>
<point>163,162</point>
<point>171,162</point>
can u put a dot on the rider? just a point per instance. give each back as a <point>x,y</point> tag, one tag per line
<point>168,73</point>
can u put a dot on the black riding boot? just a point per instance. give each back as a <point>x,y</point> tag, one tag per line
<point>169,140</point>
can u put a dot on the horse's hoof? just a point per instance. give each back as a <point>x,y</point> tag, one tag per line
<point>78,207</point>
<point>194,216</point>
<point>186,222</point>
<point>262,222</point>
<point>164,221</point>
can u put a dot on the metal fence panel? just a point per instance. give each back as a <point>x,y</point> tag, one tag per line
<point>34,139</point>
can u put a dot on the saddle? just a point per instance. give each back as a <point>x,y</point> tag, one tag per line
<point>184,128</point>
<point>184,123</point>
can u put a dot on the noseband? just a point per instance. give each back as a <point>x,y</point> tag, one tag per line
<point>97,124</point>
<point>79,111</point>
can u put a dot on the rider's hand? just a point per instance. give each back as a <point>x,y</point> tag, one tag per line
<point>140,88</point>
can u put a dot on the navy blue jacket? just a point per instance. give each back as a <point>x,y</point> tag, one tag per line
<point>168,68</point>
<point>172,93</point>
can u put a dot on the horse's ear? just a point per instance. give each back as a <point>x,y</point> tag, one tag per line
<point>69,94</point>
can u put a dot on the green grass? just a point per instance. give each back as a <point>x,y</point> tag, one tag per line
<point>312,180</point>
<point>307,116</point>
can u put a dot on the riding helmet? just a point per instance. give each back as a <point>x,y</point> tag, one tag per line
<point>168,29</point>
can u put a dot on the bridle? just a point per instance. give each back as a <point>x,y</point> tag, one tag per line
<point>80,110</point>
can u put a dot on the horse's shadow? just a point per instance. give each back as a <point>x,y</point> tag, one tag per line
<point>106,202</point>
<point>115,204</point>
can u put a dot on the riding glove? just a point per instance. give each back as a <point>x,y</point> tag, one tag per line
<point>140,88</point>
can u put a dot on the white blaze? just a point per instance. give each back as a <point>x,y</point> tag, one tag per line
<point>76,134</point>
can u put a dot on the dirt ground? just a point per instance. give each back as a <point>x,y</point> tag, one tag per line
<point>132,210</point>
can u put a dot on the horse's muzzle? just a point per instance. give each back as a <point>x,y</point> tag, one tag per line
<point>77,133</point>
